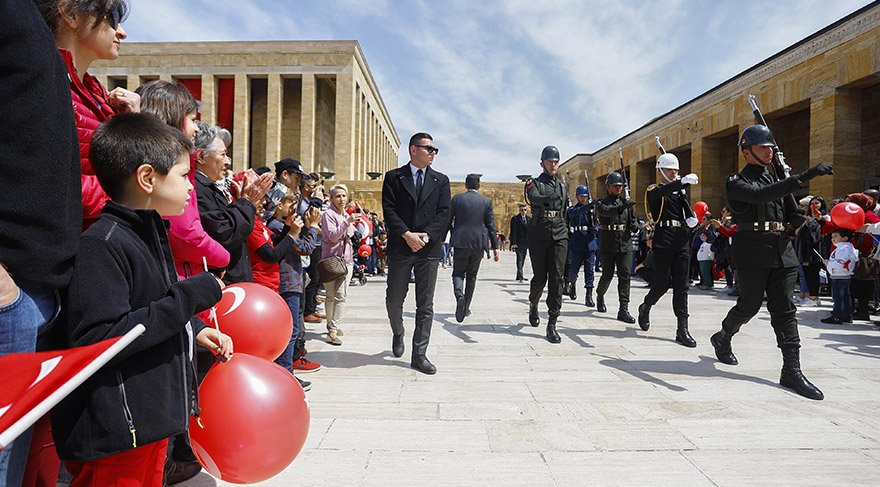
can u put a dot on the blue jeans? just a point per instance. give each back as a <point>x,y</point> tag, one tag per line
<point>802,280</point>
<point>20,322</point>
<point>842,297</point>
<point>294,300</point>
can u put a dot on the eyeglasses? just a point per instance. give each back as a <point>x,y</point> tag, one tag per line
<point>429,148</point>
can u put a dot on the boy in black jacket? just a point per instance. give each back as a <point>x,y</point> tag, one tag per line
<point>117,424</point>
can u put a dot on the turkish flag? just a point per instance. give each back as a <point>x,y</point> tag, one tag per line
<point>33,383</point>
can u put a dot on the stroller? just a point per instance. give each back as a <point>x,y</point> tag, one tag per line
<point>358,275</point>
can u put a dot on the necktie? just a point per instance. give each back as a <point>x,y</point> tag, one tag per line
<point>419,182</point>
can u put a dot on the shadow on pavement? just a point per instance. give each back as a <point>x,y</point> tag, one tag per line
<point>705,367</point>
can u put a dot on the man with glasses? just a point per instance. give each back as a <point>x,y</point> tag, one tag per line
<point>548,239</point>
<point>416,205</point>
<point>519,239</point>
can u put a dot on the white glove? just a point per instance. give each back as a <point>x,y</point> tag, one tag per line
<point>690,179</point>
<point>691,222</point>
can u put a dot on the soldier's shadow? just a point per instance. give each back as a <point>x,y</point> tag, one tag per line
<point>859,345</point>
<point>705,367</point>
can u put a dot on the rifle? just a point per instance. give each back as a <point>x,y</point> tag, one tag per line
<point>781,170</point>
<point>623,172</point>
<point>595,219</point>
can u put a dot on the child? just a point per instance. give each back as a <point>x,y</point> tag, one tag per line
<point>841,265</point>
<point>117,424</point>
<point>266,250</point>
<point>705,257</point>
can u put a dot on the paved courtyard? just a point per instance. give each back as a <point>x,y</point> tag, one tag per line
<point>610,405</point>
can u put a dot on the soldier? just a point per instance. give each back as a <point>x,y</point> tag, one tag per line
<point>669,202</point>
<point>548,239</point>
<point>582,244</point>
<point>764,258</point>
<point>617,222</point>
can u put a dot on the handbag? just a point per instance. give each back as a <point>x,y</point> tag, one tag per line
<point>333,267</point>
<point>867,267</point>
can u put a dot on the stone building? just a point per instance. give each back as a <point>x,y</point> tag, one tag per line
<point>315,101</point>
<point>821,98</point>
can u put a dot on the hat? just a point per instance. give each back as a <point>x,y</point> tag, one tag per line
<point>864,201</point>
<point>289,165</point>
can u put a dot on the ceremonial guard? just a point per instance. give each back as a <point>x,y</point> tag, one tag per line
<point>762,252</point>
<point>617,222</point>
<point>669,203</point>
<point>582,244</point>
<point>548,239</point>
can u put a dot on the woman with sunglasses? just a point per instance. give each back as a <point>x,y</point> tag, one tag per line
<point>86,31</point>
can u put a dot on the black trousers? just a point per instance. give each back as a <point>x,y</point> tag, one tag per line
<point>399,269</point>
<point>862,291</point>
<point>671,267</point>
<point>622,261</point>
<point>811,272</point>
<point>465,265</point>
<point>779,285</point>
<point>520,260</point>
<point>548,264</point>
<point>310,294</point>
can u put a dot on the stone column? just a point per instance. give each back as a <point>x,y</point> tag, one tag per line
<point>166,77</point>
<point>307,122</point>
<point>241,123</point>
<point>209,100</point>
<point>343,163</point>
<point>835,136</point>
<point>274,106</point>
<point>132,82</point>
<point>705,163</point>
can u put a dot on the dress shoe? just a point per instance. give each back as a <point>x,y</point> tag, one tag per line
<point>552,335</point>
<point>723,351</point>
<point>534,320</point>
<point>423,365</point>
<point>176,471</point>
<point>600,303</point>
<point>312,318</point>
<point>460,309</point>
<point>624,316</point>
<point>683,336</point>
<point>588,299</point>
<point>794,379</point>
<point>831,320</point>
<point>644,317</point>
<point>397,345</point>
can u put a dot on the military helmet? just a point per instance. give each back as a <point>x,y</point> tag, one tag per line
<point>582,191</point>
<point>614,178</point>
<point>667,161</point>
<point>756,135</point>
<point>550,153</point>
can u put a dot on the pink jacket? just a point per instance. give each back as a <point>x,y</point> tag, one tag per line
<point>336,232</point>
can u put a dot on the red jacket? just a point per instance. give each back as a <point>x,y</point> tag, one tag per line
<point>266,273</point>
<point>90,108</point>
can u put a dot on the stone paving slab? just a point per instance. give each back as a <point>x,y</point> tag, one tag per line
<point>610,405</point>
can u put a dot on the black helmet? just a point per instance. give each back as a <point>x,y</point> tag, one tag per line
<point>614,178</point>
<point>756,135</point>
<point>550,153</point>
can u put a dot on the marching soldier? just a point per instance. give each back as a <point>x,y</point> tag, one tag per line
<point>669,202</point>
<point>548,239</point>
<point>617,222</point>
<point>763,254</point>
<point>582,244</point>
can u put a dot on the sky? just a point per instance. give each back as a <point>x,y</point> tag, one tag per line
<point>495,81</point>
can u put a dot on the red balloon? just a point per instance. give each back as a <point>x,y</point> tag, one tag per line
<point>365,250</point>
<point>256,317</point>
<point>254,420</point>
<point>700,209</point>
<point>848,215</point>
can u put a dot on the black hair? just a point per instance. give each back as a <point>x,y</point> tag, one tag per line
<point>822,207</point>
<point>51,10</point>
<point>262,170</point>
<point>844,232</point>
<point>130,140</point>
<point>416,138</point>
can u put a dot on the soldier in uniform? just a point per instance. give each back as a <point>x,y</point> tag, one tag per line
<point>617,222</point>
<point>548,239</point>
<point>763,254</point>
<point>672,250</point>
<point>582,244</point>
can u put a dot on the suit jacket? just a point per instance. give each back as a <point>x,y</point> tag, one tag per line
<point>519,235</point>
<point>403,211</point>
<point>473,222</point>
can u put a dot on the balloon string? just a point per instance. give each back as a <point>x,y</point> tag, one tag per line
<point>213,315</point>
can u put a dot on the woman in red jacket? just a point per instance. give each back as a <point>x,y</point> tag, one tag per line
<point>86,31</point>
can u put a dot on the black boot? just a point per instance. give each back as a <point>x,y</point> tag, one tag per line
<point>644,317</point>
<point>588,299</point>
<point>533,315</point>
<point>794,379</point>
<point>552,336</point>
<point>600,303</point>
<point>624,316</point>
<point>572,291</point>
<point>682,335</point>
<point>721,342</point>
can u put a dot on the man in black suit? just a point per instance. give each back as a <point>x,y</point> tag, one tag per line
<point>519,239</point>
<point>473,223</point>
<point>415,202</point>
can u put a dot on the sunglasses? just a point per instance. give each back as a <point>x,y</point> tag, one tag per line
<point>430,148</point>
<point>114,17</point>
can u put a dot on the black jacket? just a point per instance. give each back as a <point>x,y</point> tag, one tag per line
<point>473,222</point>
<point>549,201</point>
<point>403,213</point>
<point>124,275</point>
<point>229,224</point>
<point>668,202</point>
<point>519,231</point>
<point>41,196</point>
<point>614,210</point>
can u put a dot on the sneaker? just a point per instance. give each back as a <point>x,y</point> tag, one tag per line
<point>333,338</point>
<point>304,365</point>
<point>306,385</point>
<point>807,302</point>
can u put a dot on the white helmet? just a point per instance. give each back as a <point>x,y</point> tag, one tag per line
<point>667,161</point>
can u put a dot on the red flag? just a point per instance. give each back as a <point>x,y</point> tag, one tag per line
<point>33,383</point>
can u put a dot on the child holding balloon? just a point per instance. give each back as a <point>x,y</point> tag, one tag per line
<point>117,424</point>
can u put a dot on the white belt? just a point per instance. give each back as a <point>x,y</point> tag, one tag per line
<point>583,228</point>
<point>769,227</point>
<point>552,213</point>
<point>669,223</point>
<point>614,228</point>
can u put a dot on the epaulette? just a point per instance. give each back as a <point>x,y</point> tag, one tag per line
<point>530,183</point>
<point>652,187</point>
<point>733,177</point>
